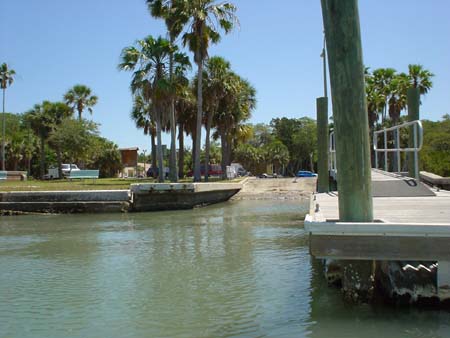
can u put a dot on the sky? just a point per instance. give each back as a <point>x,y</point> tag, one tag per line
<point>55,44</point>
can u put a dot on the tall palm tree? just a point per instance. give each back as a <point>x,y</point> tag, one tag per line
<point>167,10</point>
<point>149,60</point>
<point>205,17</point>
<point>382,78</point>
<point>6,80</point>
<point>42,119</point>
<point>141,114</point>
<point>420,78</point>
<point>57,112</point>
<point>234,109</point>
<point>80,97</point>
<point>217,81</point>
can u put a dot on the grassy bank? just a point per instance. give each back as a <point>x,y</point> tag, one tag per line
<point>88,184</point>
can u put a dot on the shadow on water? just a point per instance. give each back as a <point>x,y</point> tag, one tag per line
<point>237,269</point>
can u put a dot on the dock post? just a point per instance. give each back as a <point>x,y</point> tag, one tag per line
<point>343,39</point>
<point>322,145</point>
<point>351,127</point>
<point>413,101</point>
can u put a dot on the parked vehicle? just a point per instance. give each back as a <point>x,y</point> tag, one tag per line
<point>154,172</point>
<point>66,168</point>
<point>240,170</point>
<point>304,173</point>
<point>213,170</point>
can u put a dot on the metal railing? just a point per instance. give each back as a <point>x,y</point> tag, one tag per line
<point>332,156</point>
<point>417,145</point>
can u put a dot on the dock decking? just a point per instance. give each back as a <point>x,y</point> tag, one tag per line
<point>411,222</point>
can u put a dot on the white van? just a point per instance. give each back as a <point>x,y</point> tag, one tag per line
<point>66,168</point>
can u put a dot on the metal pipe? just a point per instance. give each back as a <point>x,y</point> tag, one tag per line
<point>385,152</point>
<point>416,155</point>
<point>397,134</point>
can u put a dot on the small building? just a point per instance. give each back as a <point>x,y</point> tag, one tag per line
<point>129,157</point>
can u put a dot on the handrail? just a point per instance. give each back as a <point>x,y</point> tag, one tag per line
<point>332,155</point>
<point>417,142</point>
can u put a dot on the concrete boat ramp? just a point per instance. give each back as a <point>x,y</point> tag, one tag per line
<point>412,223</point>
<point>140,197</point>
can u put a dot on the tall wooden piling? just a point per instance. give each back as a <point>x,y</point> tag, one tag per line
<point>343,38</point>
<point>413,101</point>
<point>322,144</point>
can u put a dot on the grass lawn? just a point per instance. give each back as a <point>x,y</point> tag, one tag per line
<point>87,184</point>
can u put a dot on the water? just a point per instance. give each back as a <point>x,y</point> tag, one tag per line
<point>238,269</point>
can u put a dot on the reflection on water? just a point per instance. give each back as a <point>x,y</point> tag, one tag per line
<point>238,269</point>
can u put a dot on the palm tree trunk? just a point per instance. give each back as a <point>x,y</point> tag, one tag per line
<point>153,154</point>
<point>173,127</point>
<point>197,173</point>
<point>223,146</point>
<point>207,144</point>
<point>3,131</point>
<point>194,140</point>
<point>159,148</point>
<point>42,156</point>
<point>180,151</point>
<point>59,160</point>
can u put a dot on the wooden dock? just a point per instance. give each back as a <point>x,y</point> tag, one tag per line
<point>414,228</point>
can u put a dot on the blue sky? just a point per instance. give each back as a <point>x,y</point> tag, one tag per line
<point>54,44</point>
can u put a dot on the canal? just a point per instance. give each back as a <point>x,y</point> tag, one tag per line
<point>236,269</point>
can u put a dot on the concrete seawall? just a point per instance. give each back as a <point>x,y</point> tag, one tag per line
<point>65,201</point>
<point>140,197</point>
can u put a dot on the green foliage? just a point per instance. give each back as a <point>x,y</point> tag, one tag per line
<point>80,97</point>
<point>105,156</point>
<point>435,154</point>
<point>300,138</point>
<point>386,91</point>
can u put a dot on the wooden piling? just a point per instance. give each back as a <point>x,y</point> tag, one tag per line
<point>343,39</point>
<point>322,144</point>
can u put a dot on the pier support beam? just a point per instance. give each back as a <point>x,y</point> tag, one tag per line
<point>413,101</point>
<point>343,39</point>
<point>358,281</point>
<point>322,144</point>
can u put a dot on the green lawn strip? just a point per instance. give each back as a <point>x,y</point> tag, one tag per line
<point>86,184</point>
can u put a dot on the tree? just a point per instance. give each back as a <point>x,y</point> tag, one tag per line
<point>149,59</point>
<point>277,154</point>
<point>6,80</point>
<point>204,18</point>
<point>59,112</point>
<point>217,81</point>
<point>167,10</point>
<point>41,121</point>
<point>80,97</point>
<point>420,78</point>
<point>142,117</point>
<point>234,110</point>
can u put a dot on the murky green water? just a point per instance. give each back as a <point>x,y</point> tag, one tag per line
<point>238,269</point>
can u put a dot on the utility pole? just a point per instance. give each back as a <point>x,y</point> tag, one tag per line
<point>343,41</point>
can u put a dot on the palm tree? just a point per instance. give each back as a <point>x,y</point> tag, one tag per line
<point>234,109</point>
<point>58,112</point>
<point>217,78</point>
<point>167,10</point>
<point>42,119</point>
<point>420,78</point>
<point>6,80</point>
<point>80,97</point>
<point>204,18</point>
<point>149,59</point>
<point>382,78</point>
<point>141,114</point>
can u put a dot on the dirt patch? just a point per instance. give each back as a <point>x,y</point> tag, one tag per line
<point>277,189</point>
